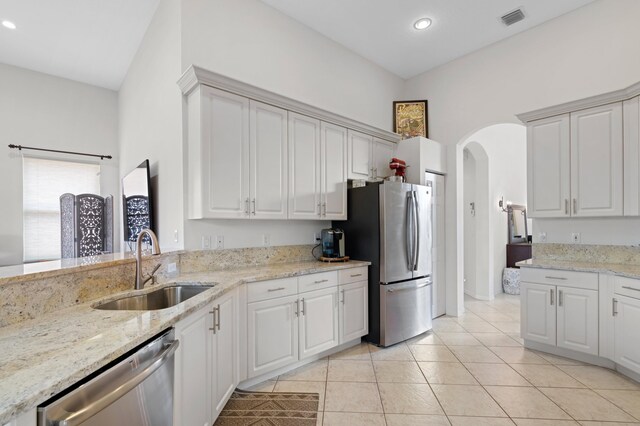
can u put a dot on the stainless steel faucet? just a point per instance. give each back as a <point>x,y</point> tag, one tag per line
<point>141,279</point>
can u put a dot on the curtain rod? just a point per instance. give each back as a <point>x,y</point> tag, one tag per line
<point>20,148</point>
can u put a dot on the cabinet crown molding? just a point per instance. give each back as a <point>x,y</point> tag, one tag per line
<point>592,101</point>
<point>195,75</point>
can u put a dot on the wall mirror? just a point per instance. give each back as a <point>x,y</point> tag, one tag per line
<point>517,224</point>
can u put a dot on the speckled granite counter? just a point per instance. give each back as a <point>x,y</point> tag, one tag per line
<point>625,270</point>
<point>43,356</point>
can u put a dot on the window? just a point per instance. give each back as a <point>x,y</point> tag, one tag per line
<point>44,181</point>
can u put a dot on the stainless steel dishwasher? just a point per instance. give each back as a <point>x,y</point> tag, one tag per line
<point>136,391</point>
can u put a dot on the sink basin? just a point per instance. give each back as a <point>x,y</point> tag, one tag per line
<point>161,298</point>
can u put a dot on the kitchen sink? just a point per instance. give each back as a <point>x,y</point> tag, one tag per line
<point>161,298</point>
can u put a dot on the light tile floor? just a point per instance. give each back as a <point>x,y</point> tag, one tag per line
<point>471,370</point>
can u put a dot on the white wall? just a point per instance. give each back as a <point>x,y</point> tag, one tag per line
<point>44,111</point>
<point>589,51</point>
<point>150,110</point>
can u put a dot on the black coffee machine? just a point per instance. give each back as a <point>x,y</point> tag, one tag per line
<point>332,243</point>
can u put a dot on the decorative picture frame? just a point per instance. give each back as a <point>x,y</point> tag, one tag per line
<point>410,118</point>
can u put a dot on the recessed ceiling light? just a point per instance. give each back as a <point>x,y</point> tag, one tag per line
<point>9,24</point>
<point>422,24</point>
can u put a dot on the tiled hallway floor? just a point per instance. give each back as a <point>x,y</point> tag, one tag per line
<point>471,370</point>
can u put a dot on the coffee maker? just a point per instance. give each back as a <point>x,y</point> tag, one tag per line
<point>332,243</point>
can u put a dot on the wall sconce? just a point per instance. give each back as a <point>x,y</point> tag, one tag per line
<point>502,204</point>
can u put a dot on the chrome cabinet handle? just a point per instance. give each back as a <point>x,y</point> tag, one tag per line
<point>275,289</point>
<point>324,206</point>
<point>552,298</point>
<point>566,206</point>
<point>303,307</point>
<point>320,282</point>
<point>319,210</point>
<point>218,315</point>
<point>297,307</point>
<point>555,278</point>
<point>213,312</point>
<point>216,322</point>
<point>615,307</point>
<point>575,205</point>
<point>246,206</point>
<point>630,288</point>
<point>355,275</point>
<point>342,300</point>
<point>559,297</point>
<point>254,206</point>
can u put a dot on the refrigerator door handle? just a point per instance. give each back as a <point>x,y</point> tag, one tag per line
<point>416,230</point>
<point>409,231</point>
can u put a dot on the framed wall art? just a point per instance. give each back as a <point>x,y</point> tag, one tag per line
<point>410,118</point>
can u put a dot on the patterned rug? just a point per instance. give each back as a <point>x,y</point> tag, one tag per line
<point>270,409</point>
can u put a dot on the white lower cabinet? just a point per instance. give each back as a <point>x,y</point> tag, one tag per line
<point>206,362</point>
<point>272,334</point>
<point>318,321</point>
<point>626,314</point>
<point>26,419</point>
<point>353,311</point>
<point>562,316</point>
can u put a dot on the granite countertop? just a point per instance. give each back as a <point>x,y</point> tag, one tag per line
<point>623,270</point>
<point>41,357</point>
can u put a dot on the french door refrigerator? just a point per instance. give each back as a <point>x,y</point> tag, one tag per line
<point>390,225</point>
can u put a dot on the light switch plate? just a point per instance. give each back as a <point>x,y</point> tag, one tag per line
<point>206,242</point>
<point>542,237</point>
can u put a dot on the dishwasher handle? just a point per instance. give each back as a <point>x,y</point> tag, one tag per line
<point>93,407</point>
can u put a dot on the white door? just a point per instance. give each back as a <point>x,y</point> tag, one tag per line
<point>631,137</point>
<point>225,348</point>
<point>383,152</point>
<point>225,154</point>
<point>304,167</point>
<point>548,167</point>
<point>538,313</point>
<point>596,161</point>
<point>360,155</point>
<point>318,321</point>
<point>627,332</point>
<point>268,156</point>
<point>194,370</point>
<point>333,171</point>
<point>353,312</point>
<point>272,334</point>
<point>577,320</point>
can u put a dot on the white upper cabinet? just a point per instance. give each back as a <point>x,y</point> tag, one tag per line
<point>218,169</point>
<point>304,167</point>
<point>360,155</point>
<point>383,152</point>
<point>548,169</point>
<point>268,156</point>
<point>631,136</point>
<point>333,171</point>
<point>596,161</point>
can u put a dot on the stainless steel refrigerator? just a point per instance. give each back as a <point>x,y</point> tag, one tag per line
<point>390,225</point>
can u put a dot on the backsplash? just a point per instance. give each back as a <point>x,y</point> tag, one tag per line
<point>629,255</point>
<point>29,295</point>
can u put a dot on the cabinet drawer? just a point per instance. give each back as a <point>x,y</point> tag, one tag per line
<point>353,275</point>
<point>627,287</point>
<point>264,290</point>
<point>317,281</point>
<point>585,280</point>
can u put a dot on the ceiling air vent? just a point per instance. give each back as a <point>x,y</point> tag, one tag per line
<point>512,17</point>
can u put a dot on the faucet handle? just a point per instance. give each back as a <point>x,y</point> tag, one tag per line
<point>152,277</point>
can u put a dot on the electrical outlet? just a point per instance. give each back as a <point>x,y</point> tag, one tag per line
<point>316,237</point>
<point>266,240</point>
<point>220,242</point>
<point>542,237</point>
<point>575,238</point>
<point>206,242</point>
<point>171,267</point>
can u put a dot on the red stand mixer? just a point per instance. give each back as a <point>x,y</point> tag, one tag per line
<point>400,167</point>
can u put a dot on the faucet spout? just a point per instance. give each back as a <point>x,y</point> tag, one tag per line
<point>142,279</point>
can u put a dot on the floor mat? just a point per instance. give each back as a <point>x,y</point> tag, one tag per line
<point>270,409</point>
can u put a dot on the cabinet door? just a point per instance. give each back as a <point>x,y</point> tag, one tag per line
<point>318,321</point>
<point>538,313</point>
<point>383,152</point>
<point>272,334</point>
<point>631,137</point>
<point>304,167</point>
<point>596,161</point>
<point>225,349</point>
<point>548,167</point>
<point>578,319</point>
<point>353,312</point>
<point>268,156</point>
<point>225,154</point>
<point>627,332</point>
<point>333,143</point>
<point>360,155</point>
<point>194,370</point>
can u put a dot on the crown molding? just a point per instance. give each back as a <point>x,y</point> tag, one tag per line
<point>195,76</point>
<point>592,101</point>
